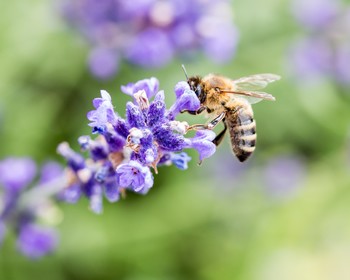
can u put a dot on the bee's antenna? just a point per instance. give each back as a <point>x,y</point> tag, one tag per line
<point>183,68</point>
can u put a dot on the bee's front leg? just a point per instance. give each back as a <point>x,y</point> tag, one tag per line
<point>209,125</point>
<point>200,110</point>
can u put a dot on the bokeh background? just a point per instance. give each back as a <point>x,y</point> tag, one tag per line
<point>282,215</point>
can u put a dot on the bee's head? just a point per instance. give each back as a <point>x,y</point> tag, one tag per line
<point>195,84</point>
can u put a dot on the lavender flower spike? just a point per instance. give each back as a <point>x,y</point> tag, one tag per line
<point>35,241</point>
<point>122,156</point>
<point>23,206</point>
<point>134,176</point>
<point>150,33</point>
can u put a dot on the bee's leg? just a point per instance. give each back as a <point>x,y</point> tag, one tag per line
<point>220,136</point>
<point>209,125</point>
<point>200,110</point>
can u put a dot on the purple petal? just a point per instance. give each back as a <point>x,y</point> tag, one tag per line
<point>104,112</point>
<point>202,142</point>
<point>134,176</point>
<point>35,241</point>
<point>17,173</point>
<point>188,100</point>
<point>180,88</point>
<point>180,160</point>
<point>96,102</point>
<point>150,86</point>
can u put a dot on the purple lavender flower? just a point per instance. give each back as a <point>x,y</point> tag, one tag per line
<point>149,33</point>
<point>17,173</point>
<point>134,176</point>
<point>315,13</point>
<point>122,155</point>
<point>35,241</point>
<point>150,48</point>
<point>104,112</point>
<point>324,51</point>
<point>284,175</point>
<point>22,205</point>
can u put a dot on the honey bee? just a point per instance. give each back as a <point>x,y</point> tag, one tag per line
<point>230,101</point>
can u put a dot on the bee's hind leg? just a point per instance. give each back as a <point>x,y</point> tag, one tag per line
<point>218,139</point>
<point>209,125</point>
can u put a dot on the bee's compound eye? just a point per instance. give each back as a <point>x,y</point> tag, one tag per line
<point>198,90</point>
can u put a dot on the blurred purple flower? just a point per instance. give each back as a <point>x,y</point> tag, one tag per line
<point>103,63</point>
<point>50,171</point>
<point>311,59</point>
<point>315,13</point>
<point>284,175</point>
<point>17,173</point>
<point>21,203</point>
<point>35,241</point>
<point>150,33</point>
<point>324,51</point>
<point>122,156</point>
<point>342,62</point>
<point>150,48</point>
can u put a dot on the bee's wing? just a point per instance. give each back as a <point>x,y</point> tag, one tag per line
<point>254,82</point>
<point>252,96</point>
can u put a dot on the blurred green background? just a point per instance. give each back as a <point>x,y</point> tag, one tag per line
<point>215,221</point>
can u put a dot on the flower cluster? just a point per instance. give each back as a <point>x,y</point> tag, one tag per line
<point>122,155</point>
<point>325,51</point>
<point>150,33</point>
<point>29,210</point>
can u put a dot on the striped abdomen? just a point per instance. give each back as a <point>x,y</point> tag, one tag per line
<point>241,126</point>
